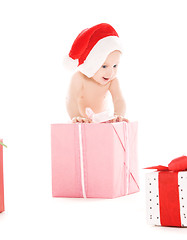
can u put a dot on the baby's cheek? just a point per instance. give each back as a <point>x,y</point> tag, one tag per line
<point>115,73</point>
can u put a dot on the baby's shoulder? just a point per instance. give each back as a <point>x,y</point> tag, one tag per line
<point>77,78</point>
<point>77,75</point>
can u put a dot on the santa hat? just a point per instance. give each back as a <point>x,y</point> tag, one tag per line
<point>91,48</point>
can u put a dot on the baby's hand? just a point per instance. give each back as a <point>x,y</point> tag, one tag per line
<point>119,118</point>
<point>81,120</point>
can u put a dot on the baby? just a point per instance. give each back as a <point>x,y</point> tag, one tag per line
<point>97,52</point>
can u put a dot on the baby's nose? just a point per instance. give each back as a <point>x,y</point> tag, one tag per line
<point>110,72</point>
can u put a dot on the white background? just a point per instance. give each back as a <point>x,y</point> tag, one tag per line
<point>34,37</point>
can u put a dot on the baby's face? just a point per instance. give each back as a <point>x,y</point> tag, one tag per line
<point>108,70</point>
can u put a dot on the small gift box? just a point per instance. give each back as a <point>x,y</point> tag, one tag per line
<point>1,178</point>
<point>166,194</point>
<point>97,160</point>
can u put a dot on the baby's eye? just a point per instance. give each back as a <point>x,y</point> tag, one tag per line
<point>115,66</point>
<point>104,66</point>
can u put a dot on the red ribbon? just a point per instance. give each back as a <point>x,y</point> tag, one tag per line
<point>169,192</point>
<point>169,199</point>
<point>176,165</point>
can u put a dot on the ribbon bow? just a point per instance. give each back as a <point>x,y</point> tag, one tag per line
<point>99,117</point>
<point>176,165</point>
<point>170,208</point>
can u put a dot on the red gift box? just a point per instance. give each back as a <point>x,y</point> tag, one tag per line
<point>1,180</point>
<point>166,194</point>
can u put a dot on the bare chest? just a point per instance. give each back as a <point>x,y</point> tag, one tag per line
<point>92,90</point>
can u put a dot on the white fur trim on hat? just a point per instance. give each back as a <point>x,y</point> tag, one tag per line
<point>70,63</point>
<point>98,55</point>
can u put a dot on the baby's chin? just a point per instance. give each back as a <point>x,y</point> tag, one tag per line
<point>103,83</point>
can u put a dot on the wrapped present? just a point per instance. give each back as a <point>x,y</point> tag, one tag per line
<point>166,194</point>
<point>97,160</point>
<point>1,178</point>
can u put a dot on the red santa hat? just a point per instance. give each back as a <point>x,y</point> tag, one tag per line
<point>91,48</point>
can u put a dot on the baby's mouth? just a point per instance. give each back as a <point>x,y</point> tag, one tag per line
<point>106,79</point>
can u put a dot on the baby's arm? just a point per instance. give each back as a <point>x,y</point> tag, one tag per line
<point>73,99</point>
<point>118,100</point>
<point>73,95</point>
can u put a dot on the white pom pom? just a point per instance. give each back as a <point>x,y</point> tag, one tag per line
<point>70,63</point>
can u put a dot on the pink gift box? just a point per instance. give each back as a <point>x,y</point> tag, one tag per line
<point>97,160</point>
<point>1,180</point>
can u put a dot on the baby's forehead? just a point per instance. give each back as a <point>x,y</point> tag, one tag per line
<point>113,56</point>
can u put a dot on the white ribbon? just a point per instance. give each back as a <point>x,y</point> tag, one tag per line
<point>81,160</point>
<point>96,118</point>
<point>127,156</point>
<point>126,150</point>
<point>99,117</point>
